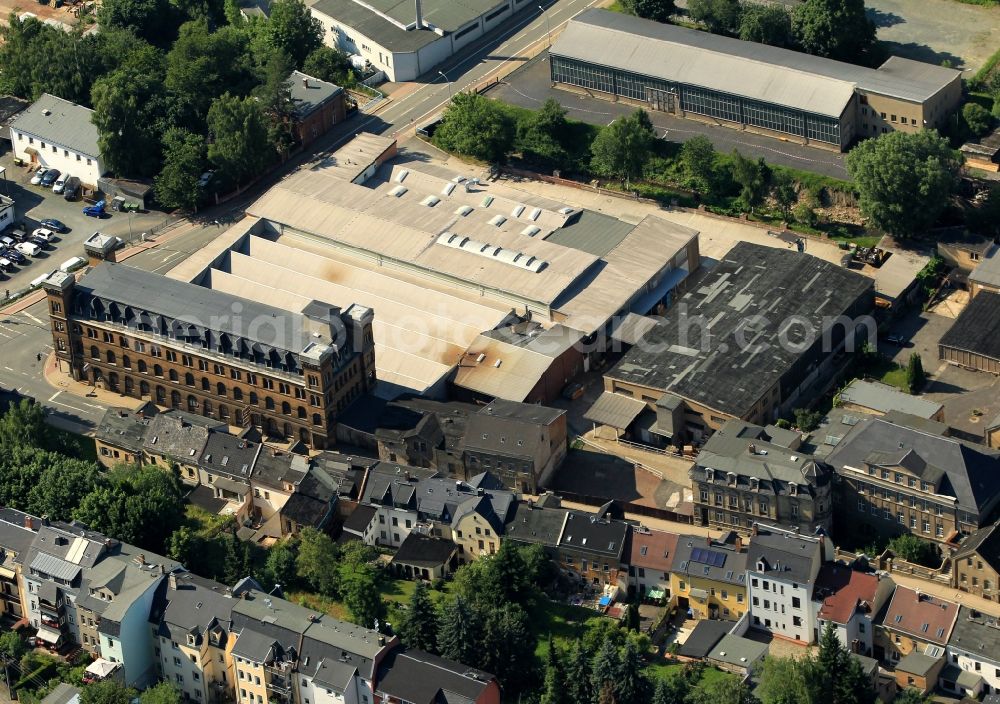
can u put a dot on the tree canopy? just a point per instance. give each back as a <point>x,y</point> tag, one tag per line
<point>476,126</point>
<point>623,147</point>
<point>905,180</point>
<point>719,16</point>
<point>837,29</point>
<point>658,10</point>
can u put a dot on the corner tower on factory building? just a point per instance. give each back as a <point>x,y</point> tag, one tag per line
<point>184,346</point>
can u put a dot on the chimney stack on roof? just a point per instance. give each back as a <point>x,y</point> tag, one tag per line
<point>305,81</point>
<point>172,582</point>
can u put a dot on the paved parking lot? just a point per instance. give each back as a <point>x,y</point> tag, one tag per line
<point>34,203</point>
<point>531,86</point>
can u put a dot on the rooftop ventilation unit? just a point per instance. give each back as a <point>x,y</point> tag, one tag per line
<point>485,249</point>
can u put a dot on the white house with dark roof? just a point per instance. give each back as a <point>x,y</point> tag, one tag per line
<point>58,134</point>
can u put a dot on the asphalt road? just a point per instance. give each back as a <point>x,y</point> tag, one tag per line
<point>532,86</point>
<point>25,335</point>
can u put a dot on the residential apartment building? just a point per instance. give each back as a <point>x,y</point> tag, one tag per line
<point>747,473</point>
<point>183,346</point>
<point>651,555</point>
<point>974,651</point>
<point>120,434</point>
<point>17,532</point>
<point>914,622</point>
<point>708,578</point>
<point>538,523</point>
<point>851,600</point>
<point>175,439</point>
<point>976,564</point>
<point>592,546</point>
<point>339,663</point>
<point>895,479</point>
<point>782,566</point>
<point>191,622</point>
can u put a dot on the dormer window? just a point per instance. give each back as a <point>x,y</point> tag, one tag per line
<point>761,566</point>
<point>709,474</point>
<point>793,489</point>
<point>754,483</point>
<point>192,640</point>
<point>731,478</point>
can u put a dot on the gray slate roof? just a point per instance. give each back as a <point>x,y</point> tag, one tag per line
<point>330,640</point>
<point>509,428</point>
<point>424,551</point>
<point>14,536</point>
<point>586,532</point>
<point>194,606</point>
<point>179,435</point>
<point>786,557</point>
<point>977,328</point>
<point>228,455</point>
<point>310,94</point>
<point>750,296</point>
<point>124,428</point>
<point>971,472</point>
<point>66,124</point>
<point>197,306</point>
<point>988,271</point>
<point>422,678</point>
<point>533,524</point>
<point>733,567</point>
<point>738,651</point>
<point>976,633</point>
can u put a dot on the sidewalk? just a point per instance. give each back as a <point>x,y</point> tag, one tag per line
<point>64,382</point>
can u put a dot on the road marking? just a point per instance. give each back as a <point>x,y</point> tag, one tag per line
<point>8,369</point>
<point>34,318</point>
<point>66,405</point>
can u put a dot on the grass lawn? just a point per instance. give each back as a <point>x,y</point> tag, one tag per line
<point>896,377</point>
<point>202,522</point>
<point>563,621</point>
<point>664,670</point>
<point>320,603</point>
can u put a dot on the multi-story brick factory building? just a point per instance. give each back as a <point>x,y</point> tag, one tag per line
<point>184,346</point>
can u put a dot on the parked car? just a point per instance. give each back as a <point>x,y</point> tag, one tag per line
<point>60,183</point>
<point>38,280</point>
<point>7,241</point>
<point>49,178</point>
<point>40,242</point>
<point>43,233</point>
<point>53,224</point>
<point>29,249</point>
<point>14,256</point>
<point>573,391</point>
<point>94,211</point>
<point>72,263</point>
<point>18,234</point>
<point>39,175</point>
<point>898,340</point>
<point>72,189</point>
<point>5,263</point>
<point>205,179</point>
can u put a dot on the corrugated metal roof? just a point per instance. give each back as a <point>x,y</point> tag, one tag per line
<point>614,410</point>
<point>54,567</point>
<point>770,74</point>
<point>66,124</point>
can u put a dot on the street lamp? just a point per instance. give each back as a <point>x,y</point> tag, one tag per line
<point>441,73</point>
<point>548,28</point>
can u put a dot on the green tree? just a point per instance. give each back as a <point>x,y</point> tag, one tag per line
<point>239,147</point>
<point>837,29</point>
<point>23,424</point>
<point>184,545</point>
<point>784,194</point>
<point>554,686</point>
<point>108,691</point>
<point>578,674</point>
<point>478,127</point>
<point>836,676</point>
<point>139,505</point>
<point>753,178</point>
<point>766,24</point>
<point>162,693</point>
<point>360,592</point>
<point>329,64</point>
<point>785,681</point>
<point>913,549</point>
<point>905,180</point>
<point>317,562</point>
<point>622,148</point>
<point>60,486</point>
<point>275,96</point>
<point>128,105</point>
<point>460,632</point>
<point>143,17</point>
<point>671,690</point>
<point>806,420</point>
<point>719,16</point>
<point>11,646</point>
<point>606,666</point>
<point>176,185</point>
<point>541,136</point>
<point>420,625</point>
<point>658,10</point>
<point>977,119</point>
<point>697,157</point>
<point>915,376</point>
<point>910,695</point>
<point>606,694</point>
<point>509,647</point>
<point>292,29</point>
<point>280,566</point>
<point>631,685</point>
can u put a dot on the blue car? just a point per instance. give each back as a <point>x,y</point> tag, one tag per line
<point>15,256</point>
<point>96,210</point>
<point>54,225</point>
<point>49,178</point>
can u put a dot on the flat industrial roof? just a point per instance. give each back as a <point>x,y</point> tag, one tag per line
<point>391,23</point>
<point>738,331</point>
<point>770,74</point>
<point>884,398</point>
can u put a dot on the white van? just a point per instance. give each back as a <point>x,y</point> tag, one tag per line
<point>60,185</point>
<point>28,249</point>
<point>72,264</point>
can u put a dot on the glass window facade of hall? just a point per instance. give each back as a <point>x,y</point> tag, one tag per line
<point>701,101</point>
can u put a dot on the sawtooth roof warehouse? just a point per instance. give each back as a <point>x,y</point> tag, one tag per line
<point>761,88</point>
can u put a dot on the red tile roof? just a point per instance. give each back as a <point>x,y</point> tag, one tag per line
<point>653,549</point>
<point>842,590</point>
<point>925,617</point>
